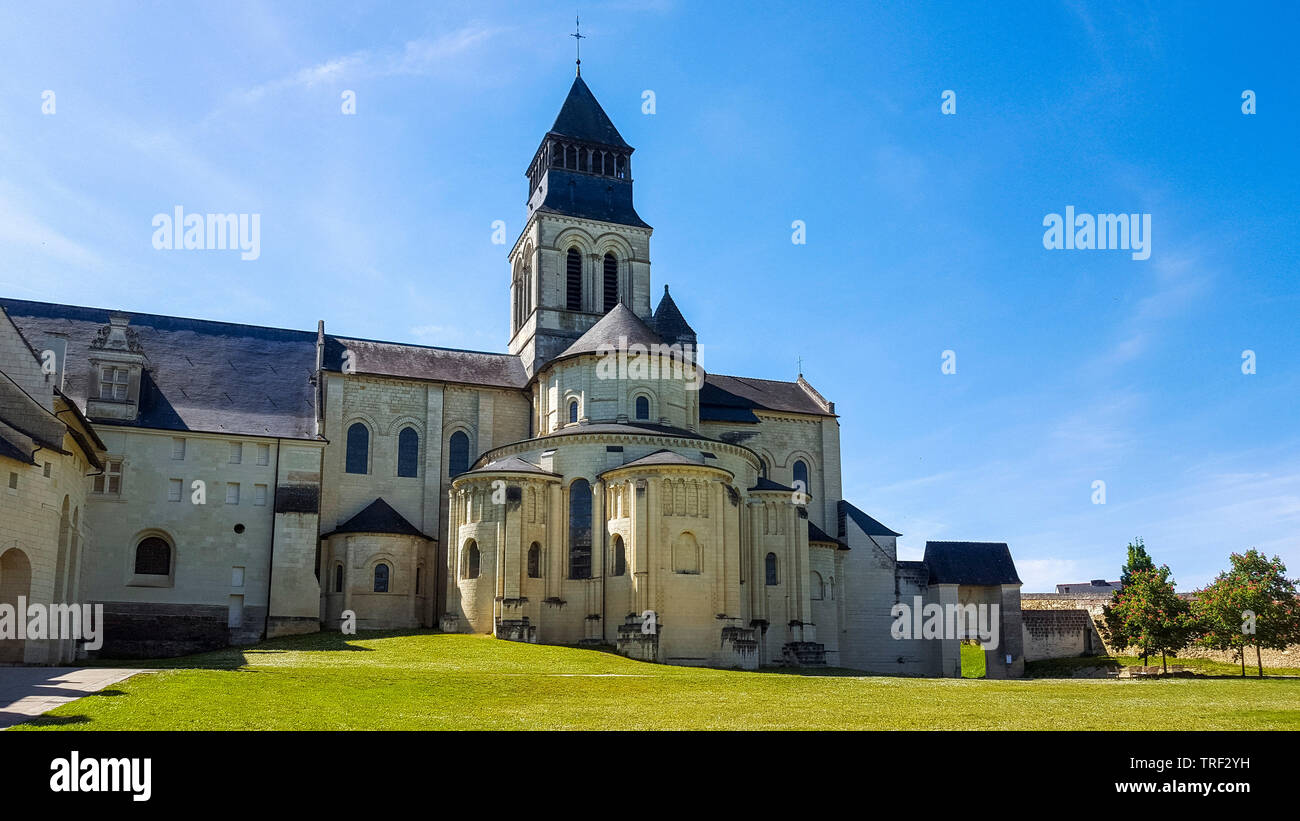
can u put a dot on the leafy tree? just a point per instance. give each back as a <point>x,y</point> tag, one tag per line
<point>1251,603</point>
<point>1137,560</point>
<point>1147,613</point>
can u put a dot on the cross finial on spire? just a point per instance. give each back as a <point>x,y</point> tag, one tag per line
<point>578,37</point>
<point>801,366</point>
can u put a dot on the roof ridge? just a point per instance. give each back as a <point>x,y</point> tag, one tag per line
<point>133,314</point>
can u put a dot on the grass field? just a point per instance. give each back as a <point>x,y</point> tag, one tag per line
<point>421,680</point>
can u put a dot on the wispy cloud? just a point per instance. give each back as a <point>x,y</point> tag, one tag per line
<point>424,56</point>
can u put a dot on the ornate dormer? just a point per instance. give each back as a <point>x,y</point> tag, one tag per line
<point>117,364</point>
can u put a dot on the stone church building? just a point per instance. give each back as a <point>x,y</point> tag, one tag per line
<point>213,483</point>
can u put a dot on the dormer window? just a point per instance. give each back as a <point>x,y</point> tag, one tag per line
<point>113,383</point>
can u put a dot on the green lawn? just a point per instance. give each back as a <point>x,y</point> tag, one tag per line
<point>421,680</point>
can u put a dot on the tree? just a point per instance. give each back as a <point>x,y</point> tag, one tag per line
<point>1137,560</point>
<point>1113,625</point>
<point>1147,613</point>
<point>1251,603</point>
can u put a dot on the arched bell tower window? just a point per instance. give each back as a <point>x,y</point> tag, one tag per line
<point>573,280</point>
<point>611,282</point>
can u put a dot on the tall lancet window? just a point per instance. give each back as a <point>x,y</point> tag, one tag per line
<point>573,281</point>
<point>580,530</point>
<point>611,282</point>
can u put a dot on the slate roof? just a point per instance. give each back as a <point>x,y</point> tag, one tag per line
<point>765,483</point>
<point>981,563</point>
<point>378,517</point>
<point>816,534</point>
<point>663,456</point>
<point>582,118</point>
<point>512,464</point>
<point>669,322</point>
<point>218,377</point>
<point>427,363</point>
<point>728,398</point>
<point>620,326</point>
<point>869,525</point>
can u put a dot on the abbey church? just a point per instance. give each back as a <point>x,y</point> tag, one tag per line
<point>212,483</point>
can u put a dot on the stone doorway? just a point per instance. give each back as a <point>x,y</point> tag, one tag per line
<point>15,581</point>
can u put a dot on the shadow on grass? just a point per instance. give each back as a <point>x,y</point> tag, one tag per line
<point>46,721</point>
<point>239,658</point>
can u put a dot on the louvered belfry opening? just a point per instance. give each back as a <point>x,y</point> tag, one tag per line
<point>611,282</point>
<point>573,287</point>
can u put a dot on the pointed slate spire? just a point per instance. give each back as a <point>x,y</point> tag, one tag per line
<point>670,324</point>
<point>582,118</point>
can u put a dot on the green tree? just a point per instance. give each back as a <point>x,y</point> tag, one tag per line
<point>1147,613</point>
<point>1251,603</point>
<point>1137,560</point>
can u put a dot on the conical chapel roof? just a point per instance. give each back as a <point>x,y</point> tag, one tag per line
<point>669,322</point>
<point>618,329</point>
<point>582,118</point>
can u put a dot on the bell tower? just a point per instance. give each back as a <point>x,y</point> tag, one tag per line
<point>583,249</point>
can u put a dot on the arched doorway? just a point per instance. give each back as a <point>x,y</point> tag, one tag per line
<point>15,581</point>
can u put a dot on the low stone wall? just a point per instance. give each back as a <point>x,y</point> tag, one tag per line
<point>1039,603</point>
<point>1052,634</point>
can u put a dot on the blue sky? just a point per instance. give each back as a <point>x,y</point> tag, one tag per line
<point>924,230</point>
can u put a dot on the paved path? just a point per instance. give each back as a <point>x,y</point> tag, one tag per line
<point>29,691</point>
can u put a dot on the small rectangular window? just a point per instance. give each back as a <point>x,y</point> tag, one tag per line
<point>178,448</point>
<point>112,384</point>
<point>259,494</point>
<point>174,490</point>
<point>232,493</point>
<point>264,454</point>
<point>236,577</point>
<point>109,482</point>
<point>236,453</point>
<point>13,481</point>
<point>47,469</point>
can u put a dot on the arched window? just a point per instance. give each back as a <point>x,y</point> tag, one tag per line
<point>573,411</point>
<point>770,566</point>
<point>801,475</point>
<point>408,452</point>
<point>762,467</point>
<point>381,578</point>
<point>338,578</point>
<point>573,280</point>
<point>470,560</point>
<point>642,407</point>
<point>358,449</point>
<point>580,530</point>
<point>611,282</point>
<point>620,556</point>
<point>535,561</point>
<point>153,557</point>
<point>817,590</point>
<point>458,454</point>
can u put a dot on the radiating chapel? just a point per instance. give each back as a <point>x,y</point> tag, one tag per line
<point>213,483</point>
